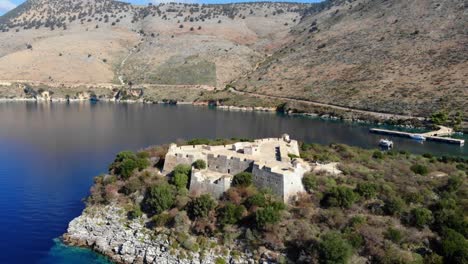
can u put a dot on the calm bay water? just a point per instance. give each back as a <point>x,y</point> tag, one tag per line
<point>49,154</point>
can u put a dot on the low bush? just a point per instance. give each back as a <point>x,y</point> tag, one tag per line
<point>243,179</point>
<point>393,235</point>
<point>340,196</point>
<point>159,198</point>
<point>266,216</point>
<point>454,247</point>
<point>334,249</point>
<point>421,217</point>
<point>230,214</point>
<point>199,164</point>
<point>201,206</point>
<point>394,205</point>
<point>419,169</point>
<point>367,190</point>
<point>309,181</point>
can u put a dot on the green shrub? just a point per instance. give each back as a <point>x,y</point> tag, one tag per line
<point>135,212</point>
<point>394,205</point>
<point>126,168</point>
<point>126,162</point>
<point>242,179</point>
<point>419,169</point>
<point>220,260</point>
<point>309,181</point>
<point>201,206</point>
<point>199,141</point>
<point>161,219</point>
<point>182,169</point>
<point>266,216</point>
<point>142,163</point>
<point>180,180</point>
<point>433,258</point>
<point>393,235</point>
<point>340,196</point>
<point>367,190</point>
<point>355,239</point>
<point>199,164</point>
<point>357,221</point>
<point>230,214</point>
<point>258,200</point>
<point>421,217</point>
<point>454,247</point>
<point>454,183</point>
<point>333,249</point>
<point>131,186</point>
<point>159,198</point>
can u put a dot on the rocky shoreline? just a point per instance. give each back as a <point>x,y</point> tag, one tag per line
<point>107,230</point>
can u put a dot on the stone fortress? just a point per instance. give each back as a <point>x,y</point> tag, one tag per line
<point>269,160</point>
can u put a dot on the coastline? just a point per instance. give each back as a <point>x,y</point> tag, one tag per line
<point>348,117</point>
<point>108,231</point>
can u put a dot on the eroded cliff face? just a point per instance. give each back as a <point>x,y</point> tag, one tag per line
<point>107,230</point>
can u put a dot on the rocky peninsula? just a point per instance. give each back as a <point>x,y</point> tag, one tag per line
<point>107,230</point>
<point>373,207</point>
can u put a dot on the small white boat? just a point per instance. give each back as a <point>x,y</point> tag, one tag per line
<point>386,143</point>
<point>418,137</point>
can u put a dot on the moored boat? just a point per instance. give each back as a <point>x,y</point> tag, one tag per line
<point>386,143</point>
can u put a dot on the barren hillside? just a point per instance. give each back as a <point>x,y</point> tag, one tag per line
<point>102,41</point>
<point>397,56</point>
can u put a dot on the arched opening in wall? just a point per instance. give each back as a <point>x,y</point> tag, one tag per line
<point>229,171</point>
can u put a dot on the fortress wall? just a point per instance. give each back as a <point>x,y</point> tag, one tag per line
<point>229,165</point>
<point>216,189</point>
<point>175,159</point>
<point>264,178</point>
<point>293,184</point>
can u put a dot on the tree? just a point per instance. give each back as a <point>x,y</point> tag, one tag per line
<point>421,217</point>
<point>159,198</point>
<point>309,181</point>
<point>230,214</point>
<point>199,164</point>
<point>201,206</point>
<point>333,249</point>
<point>367,190</point>
<point>340,196</point>
<point>267,215</point>
<point>243,179</point>
<point>454,247</point>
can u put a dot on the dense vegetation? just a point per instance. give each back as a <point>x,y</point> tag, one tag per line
<point>392,207</point>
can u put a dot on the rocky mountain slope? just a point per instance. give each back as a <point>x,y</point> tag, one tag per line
<point>104,41</point>
<point>393,56</point>
<point>397,56</point>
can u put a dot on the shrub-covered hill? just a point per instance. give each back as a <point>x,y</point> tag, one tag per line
<point>394,56</point>
<point>386,207</point>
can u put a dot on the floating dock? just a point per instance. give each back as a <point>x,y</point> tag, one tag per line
<point>431,136</point>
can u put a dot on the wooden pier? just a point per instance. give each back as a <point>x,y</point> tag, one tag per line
<point>430,136</point>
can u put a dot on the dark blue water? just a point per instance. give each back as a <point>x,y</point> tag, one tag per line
<point>49,154</point>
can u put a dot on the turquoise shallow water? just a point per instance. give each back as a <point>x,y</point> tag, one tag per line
<point>49,154</point>
<point>63,254</point>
